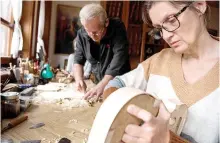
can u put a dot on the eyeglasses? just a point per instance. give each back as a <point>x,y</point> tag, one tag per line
<point>98,33</point>
<point>170,24</point>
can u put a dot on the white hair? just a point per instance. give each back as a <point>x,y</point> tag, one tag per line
<point>91,11</point>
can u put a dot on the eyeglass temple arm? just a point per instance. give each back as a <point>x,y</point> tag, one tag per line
<point>182,10</point>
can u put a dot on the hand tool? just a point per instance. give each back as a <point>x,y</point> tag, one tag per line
<point>14,122</point>
<point>38,125</point>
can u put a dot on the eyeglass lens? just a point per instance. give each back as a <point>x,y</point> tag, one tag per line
<point>171,24</point>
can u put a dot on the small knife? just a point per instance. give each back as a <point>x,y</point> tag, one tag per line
<point>38,125</point>
<point>31,141</point>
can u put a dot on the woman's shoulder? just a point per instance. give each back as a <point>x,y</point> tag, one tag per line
<point>162,59</point>
<point>159,63</point>
<point>167,52</point>
<point>163,55</point>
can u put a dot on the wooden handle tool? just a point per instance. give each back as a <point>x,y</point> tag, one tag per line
<point>14,122</point>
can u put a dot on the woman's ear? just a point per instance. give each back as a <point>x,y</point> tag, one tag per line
<point>201,6</point>
<point>106,22</point>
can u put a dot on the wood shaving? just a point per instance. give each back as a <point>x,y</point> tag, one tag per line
<point>56,140</point>
<point>94,100</point>
<point>91,103</point>
<point>73,120</point>
<point>85,131</point>
<point>56,111</point>
<point>68,97</point>
<point>72,133</point>
<point>60,101</point>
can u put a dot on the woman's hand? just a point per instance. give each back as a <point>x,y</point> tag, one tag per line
<point>153,130</point>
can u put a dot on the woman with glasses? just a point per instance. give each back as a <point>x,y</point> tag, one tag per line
<point>188,72</point>
<point>103,42</point>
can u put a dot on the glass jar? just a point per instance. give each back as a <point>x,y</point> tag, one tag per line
<point>10,104</point>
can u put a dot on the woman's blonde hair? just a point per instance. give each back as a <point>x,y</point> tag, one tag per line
<point>93,10</point>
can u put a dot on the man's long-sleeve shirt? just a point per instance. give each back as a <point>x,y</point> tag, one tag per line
<point>110,57</point>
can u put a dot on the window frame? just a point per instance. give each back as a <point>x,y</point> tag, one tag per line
<point>10,25</point>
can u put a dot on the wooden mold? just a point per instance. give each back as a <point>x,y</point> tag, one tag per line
<point>112,117</point>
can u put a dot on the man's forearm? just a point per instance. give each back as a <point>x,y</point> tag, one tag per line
<point>78,72</point>
<point>106,79</point>
<point>104,82</point>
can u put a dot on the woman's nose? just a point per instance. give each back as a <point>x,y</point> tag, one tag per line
<point>167,35</point>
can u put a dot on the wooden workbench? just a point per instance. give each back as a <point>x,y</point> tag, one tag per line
<point>74,124</point>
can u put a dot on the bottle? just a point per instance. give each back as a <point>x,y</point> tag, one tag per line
<point>46,72</point>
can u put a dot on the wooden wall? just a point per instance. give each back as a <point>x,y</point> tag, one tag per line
<point>26,22</point>
<point>46,36</point>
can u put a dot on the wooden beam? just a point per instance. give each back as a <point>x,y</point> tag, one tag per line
<point>46,36</point>
<point>37,21</point>
<point>10,35</point>
<point>125,13</point>
<point>143,40</point>
<point>27,23</point>
<point>6,23</point>
<point>103,4</point>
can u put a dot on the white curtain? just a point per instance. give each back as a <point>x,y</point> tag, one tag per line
<point>17,39</point>
<point>40,42</point>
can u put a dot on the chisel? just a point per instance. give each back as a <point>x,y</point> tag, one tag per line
<point>14,122</point>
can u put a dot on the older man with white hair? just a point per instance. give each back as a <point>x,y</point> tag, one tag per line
<point>103,42</point>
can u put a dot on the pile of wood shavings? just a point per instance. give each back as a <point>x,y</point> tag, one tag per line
<point>72,103</point>
<point>68,97</point>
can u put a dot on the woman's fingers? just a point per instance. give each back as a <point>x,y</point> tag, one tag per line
<point>163,112</point>
<point>133,130</point>
<point>140,113</point>
<point>154,129</point>
<point>130,139</point>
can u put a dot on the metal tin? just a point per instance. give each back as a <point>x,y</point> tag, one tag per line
<point>10,104</point>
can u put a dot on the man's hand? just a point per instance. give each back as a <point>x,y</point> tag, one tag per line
<point>96,91</point>
<point>81,86</point>
<point>153,130</point>
<point>78,75</point>
<point>99,88</point>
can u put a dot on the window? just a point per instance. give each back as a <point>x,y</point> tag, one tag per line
<point>6,27</point>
